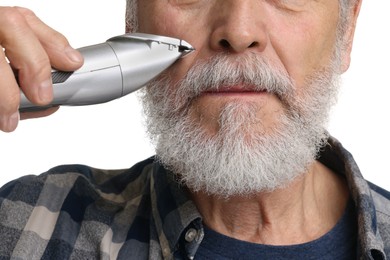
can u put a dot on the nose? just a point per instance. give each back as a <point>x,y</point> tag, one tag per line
<point>239,25</point>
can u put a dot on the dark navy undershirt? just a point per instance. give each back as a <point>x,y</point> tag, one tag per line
<point>339,243</point>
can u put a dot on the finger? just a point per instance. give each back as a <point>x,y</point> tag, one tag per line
<point>26,55</point>
<point>9,96</point>
<point>36,114</point>
<point>62,56</point>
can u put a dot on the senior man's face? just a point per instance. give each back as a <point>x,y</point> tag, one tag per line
<point>246,111</point>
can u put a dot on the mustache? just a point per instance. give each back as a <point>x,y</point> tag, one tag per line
<point>252,71</point>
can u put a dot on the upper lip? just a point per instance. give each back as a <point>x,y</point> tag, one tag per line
<point>235,88</point>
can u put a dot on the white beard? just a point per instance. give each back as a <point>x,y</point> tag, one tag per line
<point>238,160</point>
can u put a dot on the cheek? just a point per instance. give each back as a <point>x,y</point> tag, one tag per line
<point>163,18</point>
<point>168,20</point>
<point>304,47</point>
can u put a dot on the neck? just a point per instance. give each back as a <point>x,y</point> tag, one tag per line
<point>304,211</point>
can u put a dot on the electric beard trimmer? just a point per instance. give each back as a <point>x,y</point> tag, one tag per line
<point>113,69</point>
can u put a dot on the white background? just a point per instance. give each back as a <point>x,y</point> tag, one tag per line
<point>112,135</point>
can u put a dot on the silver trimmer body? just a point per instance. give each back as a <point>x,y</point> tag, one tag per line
<point>113,69</point>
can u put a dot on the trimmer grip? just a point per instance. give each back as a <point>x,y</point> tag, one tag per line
<point>60,76</point>
<point>98,80</point>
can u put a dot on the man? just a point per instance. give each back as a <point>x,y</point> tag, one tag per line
<point>244,167</point>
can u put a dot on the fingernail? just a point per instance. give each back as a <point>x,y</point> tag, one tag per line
<point>45,91</point>
<point>9,124</point>
<point>73,55</point>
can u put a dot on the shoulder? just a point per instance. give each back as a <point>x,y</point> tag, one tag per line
<point>71,180</point>
<point>381,200</point>
<point>49,212</point>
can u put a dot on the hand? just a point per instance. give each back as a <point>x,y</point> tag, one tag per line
<point>32,49</point>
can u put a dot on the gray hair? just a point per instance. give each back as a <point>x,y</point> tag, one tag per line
<point>131,15</point>
<point>345,7</point>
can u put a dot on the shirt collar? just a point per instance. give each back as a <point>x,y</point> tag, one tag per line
<point>173,212</point>
<point>335,157</point>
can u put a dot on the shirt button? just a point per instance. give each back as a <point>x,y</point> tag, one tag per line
<point>191,235</point>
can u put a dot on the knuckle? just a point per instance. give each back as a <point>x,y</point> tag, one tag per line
<point>33,65</point>
<point>11,16</point>
<point>24,11</point>
<point>43,67</point>
<point>57,40</point>
<point>32,75</point>
<point>41,62</point>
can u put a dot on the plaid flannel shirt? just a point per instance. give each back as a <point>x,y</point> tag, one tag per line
<point>78,212</point>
